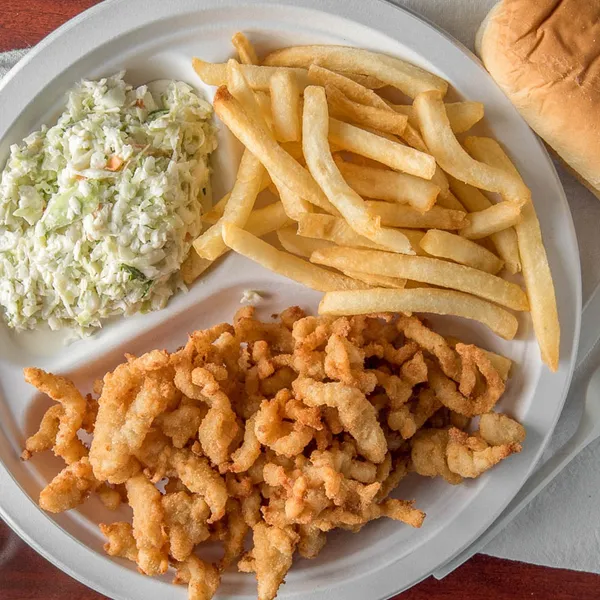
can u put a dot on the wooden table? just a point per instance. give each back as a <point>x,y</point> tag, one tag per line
<point>24,575</point>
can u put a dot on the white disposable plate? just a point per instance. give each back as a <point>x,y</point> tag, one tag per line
<point>154,39</point>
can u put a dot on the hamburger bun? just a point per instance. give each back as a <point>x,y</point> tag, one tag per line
<point>545,55</point>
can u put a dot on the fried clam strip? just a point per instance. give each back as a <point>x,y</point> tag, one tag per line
<point>428,455</point>
<point>185,518</point>
<point>446,392</point>
<point>498,429</point>
<point>398,510</point>
<point>69,488</point>
<point>219,427</point>
<point>202,578</point>
<point>282,436</point>
<point>311,542</point>
<point>45,437</point>
<point>120,540</point>
<point>182,424</point>
<point>410,417</point>
<point>270,558</point>
<point>195,472</point>
<point>321,165</point>
<point>344,362</point>
<point>245,456</point>
<point>61,390</point>
<point>356,413</point>
<point>148,525</point>
<point>433,342</point>
<point>470,456</point>
<point>128,405</point>
<point>395,72</point>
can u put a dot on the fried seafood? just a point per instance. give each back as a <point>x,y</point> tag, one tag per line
<point>285,430</point>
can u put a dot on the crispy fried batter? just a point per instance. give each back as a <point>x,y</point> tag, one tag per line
<point>472,456</point>
<point>120,540</point>
<point>428,455</point>
<point>202,578</point>
<point>69,488</point>
<point>186,518</point>
<point>356,413</point>
<point>148,525</point>
<point>270,558</point>
<point>498,429</point>
<point>74,406</point>
<point>433,342</point>
<point>273,431</point>
<point>290,429</point>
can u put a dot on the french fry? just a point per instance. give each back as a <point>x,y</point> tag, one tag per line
<point>262,144</point>
<point>259,223</point>
<point>421,300</point>
<point>216,212</point>
<point>286,264</point>
<point>258,77</point>
<point>534,261</point>
<point>445,198</point>
<point>368,81</point>
<point>404,76</point>
<point>302,246</point>
<point>389,185</point>
<point>245,49</point>
<point>315,124</point>
<point>414,237</point>
<point>452,157</point>
<point>455,247</point>
<point>461,115</point>
<point>247,185</point>
<point>376,118</point>
<point>448,200</point>
<point>240,89</point>
<point>399,215</point>
<point>264,104</point>
<point>354,91</point>
<point>496,218</point>
<point>294,206</point>
<point>393,154</point>
<point>427,270</point>
<point>267,219</point>
<point>286,107</point>
<point>333,229</point>
<point>193,266</point>
<point>377,280</point>
<point>505,241</point>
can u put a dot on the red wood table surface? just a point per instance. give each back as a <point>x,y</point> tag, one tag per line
<point>24,575</point>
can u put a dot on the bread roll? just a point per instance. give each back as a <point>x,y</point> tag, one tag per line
<point>545,55</point>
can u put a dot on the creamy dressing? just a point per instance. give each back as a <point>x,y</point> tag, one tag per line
<point>98,212</point>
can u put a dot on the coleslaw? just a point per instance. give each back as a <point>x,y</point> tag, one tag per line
<point>98,212</point>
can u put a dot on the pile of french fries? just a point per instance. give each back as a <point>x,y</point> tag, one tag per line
<point>319,132</point>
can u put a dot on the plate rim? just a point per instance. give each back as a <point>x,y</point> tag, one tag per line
<point>326,6</point>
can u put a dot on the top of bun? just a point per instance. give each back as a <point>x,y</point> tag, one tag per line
<point>545,55</point>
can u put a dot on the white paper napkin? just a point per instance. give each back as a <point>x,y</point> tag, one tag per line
<point>561,528</point>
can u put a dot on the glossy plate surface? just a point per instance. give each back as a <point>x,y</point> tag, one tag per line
<point>153,39</point>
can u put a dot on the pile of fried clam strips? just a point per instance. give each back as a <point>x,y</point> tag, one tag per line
<point>281,430</point>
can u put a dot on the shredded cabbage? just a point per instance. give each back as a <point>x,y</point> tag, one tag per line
<point>98,212</point>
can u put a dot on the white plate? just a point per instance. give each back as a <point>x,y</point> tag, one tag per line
<point>155,39</point>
